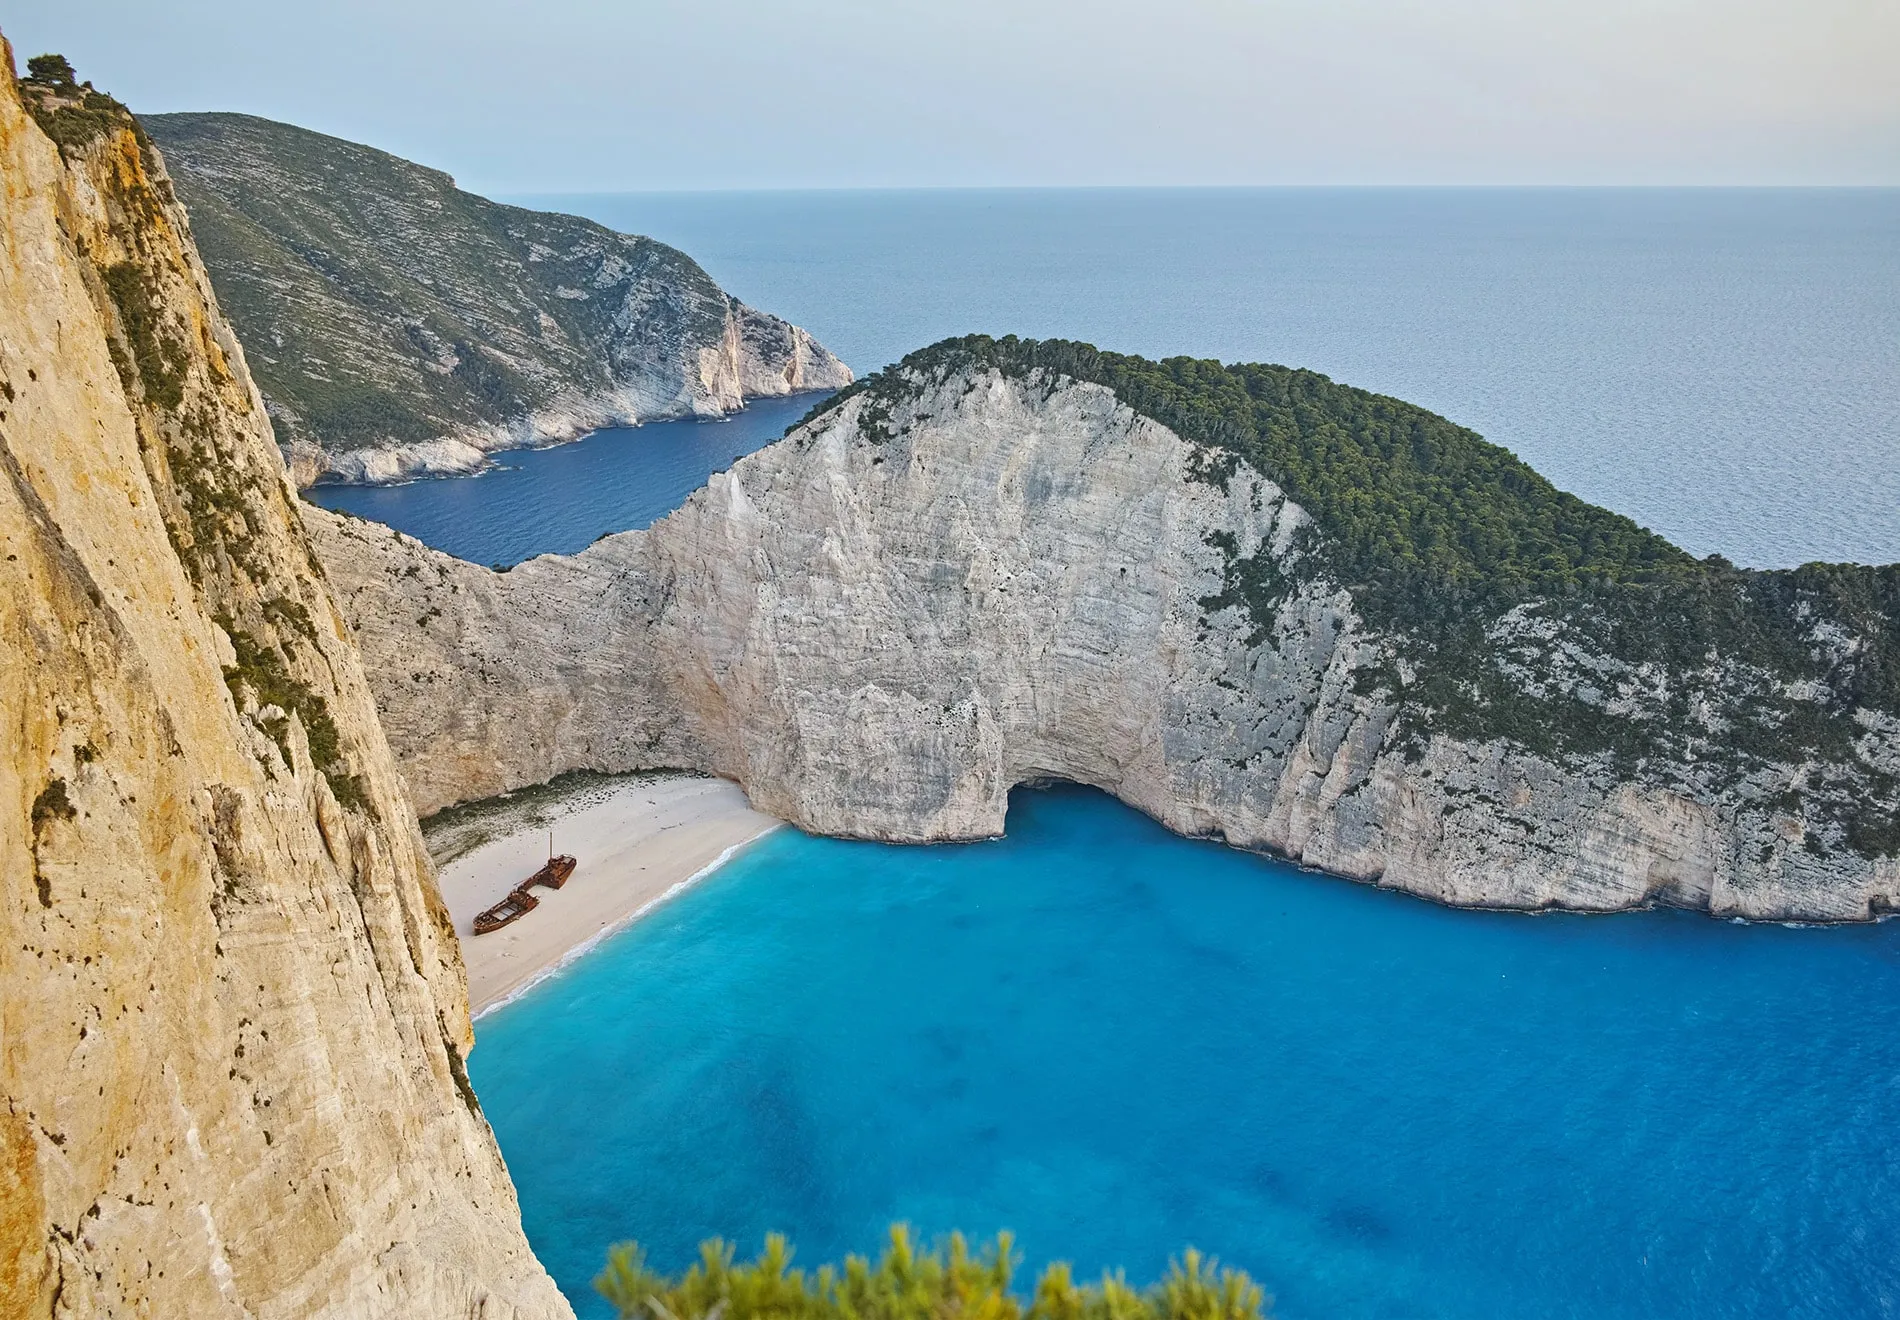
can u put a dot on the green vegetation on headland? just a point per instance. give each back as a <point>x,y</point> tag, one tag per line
<point>68,111</point>
<point>947,1282</point>
<point>379,304</point>
<point>1485,572</point>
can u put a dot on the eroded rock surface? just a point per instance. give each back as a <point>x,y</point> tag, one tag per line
<point>884,622</point>
<point>399,325</point>
<point>232,1009</point>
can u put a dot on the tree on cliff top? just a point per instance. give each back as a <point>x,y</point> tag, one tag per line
<point>53,70</point>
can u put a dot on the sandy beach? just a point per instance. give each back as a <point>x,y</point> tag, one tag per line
<point>635,840</point>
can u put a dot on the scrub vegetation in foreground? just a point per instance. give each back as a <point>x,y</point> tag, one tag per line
<point>946,1282</point>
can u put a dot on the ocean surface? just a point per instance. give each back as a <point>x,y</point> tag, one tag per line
<point>1722,365</point>
<point>565,497</point>
<point>1117,1043</point>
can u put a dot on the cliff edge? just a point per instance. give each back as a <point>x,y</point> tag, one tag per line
<point>1004,561</point>
<point>401,326</point>
<point>232,1006</point>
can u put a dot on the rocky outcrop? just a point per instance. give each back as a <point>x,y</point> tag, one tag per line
<point>232,1008</point>
<point>930,594</point>
<point>400,326</point>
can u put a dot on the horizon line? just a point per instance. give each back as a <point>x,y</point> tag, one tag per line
<point>546,191</point>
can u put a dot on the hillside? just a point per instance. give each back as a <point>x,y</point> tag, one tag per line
<point>397,324</point>
<point>1256,604</point>
<point>1491,576</point>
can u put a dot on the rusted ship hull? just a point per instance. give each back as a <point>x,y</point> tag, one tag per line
<point>554,874</point>
<point>517,905</point>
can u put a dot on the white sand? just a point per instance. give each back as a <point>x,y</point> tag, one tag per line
<point>636,842</point>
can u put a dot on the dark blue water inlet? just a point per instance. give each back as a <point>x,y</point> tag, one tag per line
<point>561,499</point>
<point>1117,1042</point>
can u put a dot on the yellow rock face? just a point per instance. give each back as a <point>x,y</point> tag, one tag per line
<point>232,1010</point>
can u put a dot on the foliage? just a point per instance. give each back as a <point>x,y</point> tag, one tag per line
<point>52,803</point>
<point>158,355</point>
<point>53,70</point>
<point>946,1282</point>
<point>379,304</point>
<point>1440,535</point>
<point>72,115</point>
<point>261,668</point>
<point>1411,503</point>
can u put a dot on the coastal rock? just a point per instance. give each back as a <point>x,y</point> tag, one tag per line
<point>233,1008</point>
<point>400,327</point>
<point>922,598</point>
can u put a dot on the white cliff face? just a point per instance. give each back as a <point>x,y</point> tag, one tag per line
<point>880,637</point>
<point>232,1007</point>
<point>756,356</point>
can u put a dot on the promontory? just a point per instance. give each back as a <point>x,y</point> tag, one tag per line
<point>399,326</point>
<point>1261,606</point>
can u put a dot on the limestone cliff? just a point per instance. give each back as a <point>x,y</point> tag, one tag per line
<point>971,576</point>
<point>232,1009</point>
<point>399,325</point>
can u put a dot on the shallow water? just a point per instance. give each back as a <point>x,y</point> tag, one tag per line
<point>1117,1042</point>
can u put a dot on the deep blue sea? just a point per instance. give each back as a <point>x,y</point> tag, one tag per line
<point>565,497</point>
<point>1117,1042</point>
<point>1722,365</point>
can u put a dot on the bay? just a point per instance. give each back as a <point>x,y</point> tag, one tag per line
<point>1117,1042</point>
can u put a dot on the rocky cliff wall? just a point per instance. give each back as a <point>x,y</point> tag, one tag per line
<point>232,1009</point>
<point>401,326</point>
<point>884,622</point>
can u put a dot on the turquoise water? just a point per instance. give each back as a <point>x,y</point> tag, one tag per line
<point>1117,1042</point>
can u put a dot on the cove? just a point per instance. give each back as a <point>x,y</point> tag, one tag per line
<point>562,498</point>
<point>1117,1042</point>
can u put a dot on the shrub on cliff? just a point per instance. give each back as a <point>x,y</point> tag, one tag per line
<point>947,1282</point>
<point>72,114</point>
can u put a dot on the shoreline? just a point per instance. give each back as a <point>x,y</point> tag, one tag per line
<point>472,453</point>
<point>639,840</point>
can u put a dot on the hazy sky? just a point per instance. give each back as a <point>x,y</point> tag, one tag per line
<point>587,95</point>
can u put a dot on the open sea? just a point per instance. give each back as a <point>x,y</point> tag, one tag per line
<point>1118,1043</point>
<point>1722,365</point>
